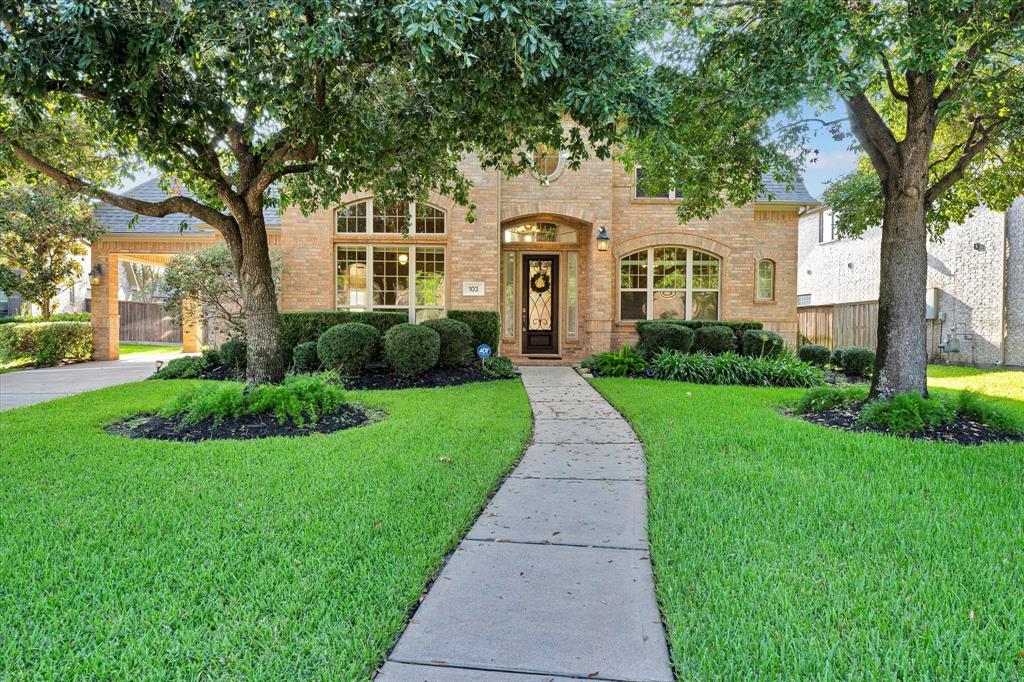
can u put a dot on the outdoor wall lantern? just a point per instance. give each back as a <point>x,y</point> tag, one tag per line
<point>602,238</point>
<point>96,275</point>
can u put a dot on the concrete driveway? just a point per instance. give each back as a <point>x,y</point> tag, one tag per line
<point>31,386</point>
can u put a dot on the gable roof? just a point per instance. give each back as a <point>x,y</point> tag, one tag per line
<point>118,220</point>
<point>777,192</point>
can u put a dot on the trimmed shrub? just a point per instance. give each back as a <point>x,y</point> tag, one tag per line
<point>814,354</point>
<point>411,349</point>
<point>714,339</point>
<point>500,367</point>
<point>486,325</point>
<point>233,354</point>
<point>212,357</point>
<point>305,357</point>
<point>456,341</point>
<point>907,413</point>
<point>47,343</point>
<point>298,328</point>
<point>658,335</point>
<point>623,363</point>
<point>977,409</point>
<point>759,343</point>
<point>188,367</point>
<point>836,359</point>
<point>827,397</point>
<point>732,369</point>
<point>349,347</point>
<point>855,360</point>
<point>56,317</point>
<point>737,327</point>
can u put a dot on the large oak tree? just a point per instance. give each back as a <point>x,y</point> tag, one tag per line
<point>934,94</point>
<point>317,96</point>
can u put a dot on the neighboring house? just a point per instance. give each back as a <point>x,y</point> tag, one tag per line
<point>975,292</point>
<point>533,253</point>
<point>71,300</point>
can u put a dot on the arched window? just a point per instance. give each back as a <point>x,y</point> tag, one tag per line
<point>765,280</point>
<point>669,283</point>
<point>547,162</point>
<point>402,217</point>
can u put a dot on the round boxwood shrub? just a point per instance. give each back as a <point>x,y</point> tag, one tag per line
<point>305,357</point>
<point>233,353</point>
<point>456,341</point>
<point>857,361</point>
<point>814,354</point>
<point>758,343</point>
<point>656,336</point>
<point>411,349</point>
<point>715,339</point>
<point>836,359</point>
<point>348,347</point>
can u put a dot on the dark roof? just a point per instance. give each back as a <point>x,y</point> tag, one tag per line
<point>119,220</point>
<point>777,192</point>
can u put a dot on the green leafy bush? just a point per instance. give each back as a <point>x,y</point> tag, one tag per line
<point>46,343</point>
<point>349,347</point>
<point>411,349</point>
<point>212,357</point>
<point>233,354</point>
<point>761,344</point>
<point>456,341</point>
<point>500,367</point>
<point>907,412</point>
<point>301,399</point>
<point>305,357</point>
<point>714,339</point>
<point>977,409</point>
<point>298,328</point>
<point>188,367</point>
<point>737,327</point>
<point>659,335</point>
<point>486,325</point>
<point>854,360</point>
<point>827,397</point>
<point>622,363</point>
<point>732,369</point>
<point>814,354</point>
<point>56,317</point>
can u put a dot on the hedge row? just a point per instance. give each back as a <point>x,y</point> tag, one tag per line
<point>47,343</point>
<point>299,328</point>
<point>708,336</point>
<point>486,325</point>
<point>56,317</point>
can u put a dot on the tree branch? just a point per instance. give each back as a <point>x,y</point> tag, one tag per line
<point>955,174</point>
<point>889,80</point>
<point>873,134</point>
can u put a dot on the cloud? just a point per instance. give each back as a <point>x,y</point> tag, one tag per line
<point>839,161</point>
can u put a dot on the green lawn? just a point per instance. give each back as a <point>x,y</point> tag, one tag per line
<point>136,348</point>
<point>788,551</point>
<point>1000,383</point>
<point>265,559</point>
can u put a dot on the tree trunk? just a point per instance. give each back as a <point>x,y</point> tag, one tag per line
<point>265,361</point>
<point>45,309</point>
<point>902,361</point>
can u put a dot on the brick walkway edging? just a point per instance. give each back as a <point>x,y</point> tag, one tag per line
<point>554,580</point>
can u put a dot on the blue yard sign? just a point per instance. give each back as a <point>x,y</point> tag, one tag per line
<point>483,351</point>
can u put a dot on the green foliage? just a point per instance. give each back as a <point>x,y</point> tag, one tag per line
<point>907,413</point>
<point>814,354</point>
<point>486,325</point>
<point>732,369</point>
<point>56,317</point>
<point>626,362</point>
<point>714,339</point>
<point>298,328</point>
<point>306,357</point>
<point>349,347</point>
<point>658,335</point>
<point>826,397</point>
<point>500,367</point>
<point>854,360</point>
<point>188,367</point>
<point>456,341</point>
<point>984,412</point>
<point>210,355</point>
<point>233,353</point>
<point>411,349</point>
<point>760,343</point>
<point>301,399</point>
<point>46,343</point>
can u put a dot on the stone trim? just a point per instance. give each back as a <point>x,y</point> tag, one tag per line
<point>670,239</point>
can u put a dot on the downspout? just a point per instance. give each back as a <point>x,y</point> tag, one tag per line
<point>1005,331</point>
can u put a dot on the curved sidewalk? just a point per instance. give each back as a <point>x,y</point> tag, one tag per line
<point>554,579</point>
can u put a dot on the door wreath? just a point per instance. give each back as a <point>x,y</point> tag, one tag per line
<point>540,283</point>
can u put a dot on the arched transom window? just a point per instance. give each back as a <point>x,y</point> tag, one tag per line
<point>765,280</point>
<point>669,283</point>
<point>402,217</point>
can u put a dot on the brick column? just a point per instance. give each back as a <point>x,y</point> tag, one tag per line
<point>106,322</point>
<point>191,332</point>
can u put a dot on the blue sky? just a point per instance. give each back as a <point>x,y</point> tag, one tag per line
<point>835,158</point>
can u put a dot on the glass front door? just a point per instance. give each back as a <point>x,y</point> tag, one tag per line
<point>540,305</point>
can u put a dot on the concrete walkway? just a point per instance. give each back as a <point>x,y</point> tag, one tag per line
<point>31,386</point>
<point>554,580</point>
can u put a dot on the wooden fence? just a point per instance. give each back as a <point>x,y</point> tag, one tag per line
<point>840,324</point>
<point>145,322</point>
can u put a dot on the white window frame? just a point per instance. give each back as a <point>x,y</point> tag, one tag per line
<point>672,194</point>
<point>649,289</point>
<point>411,307</point>
<point>412,219</point>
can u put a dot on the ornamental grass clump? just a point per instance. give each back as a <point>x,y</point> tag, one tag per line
<point>301,399</point>
<point>737,370</point>
<point>908,413</point>
<point>623,363</point>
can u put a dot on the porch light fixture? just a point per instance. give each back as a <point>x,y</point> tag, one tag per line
<point>602,238</point>
<point>96,275</point>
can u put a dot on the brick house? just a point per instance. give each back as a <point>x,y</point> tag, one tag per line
<point>532,253</point>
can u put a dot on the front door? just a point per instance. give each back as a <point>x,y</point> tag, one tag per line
<point>540,305</point>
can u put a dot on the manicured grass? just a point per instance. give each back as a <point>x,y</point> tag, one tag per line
<point>262,559</point>
<point>998,383</point>
<point>135,348</point>
<point>786,550</point>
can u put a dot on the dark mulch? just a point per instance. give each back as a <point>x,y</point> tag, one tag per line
<point>244,428</point>
<point>963,431</point>
<point>381,377</point>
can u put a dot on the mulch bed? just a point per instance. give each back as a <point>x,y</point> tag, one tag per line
<point>382,378</point>
<point>963,431</point>
<point>244,428</point>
